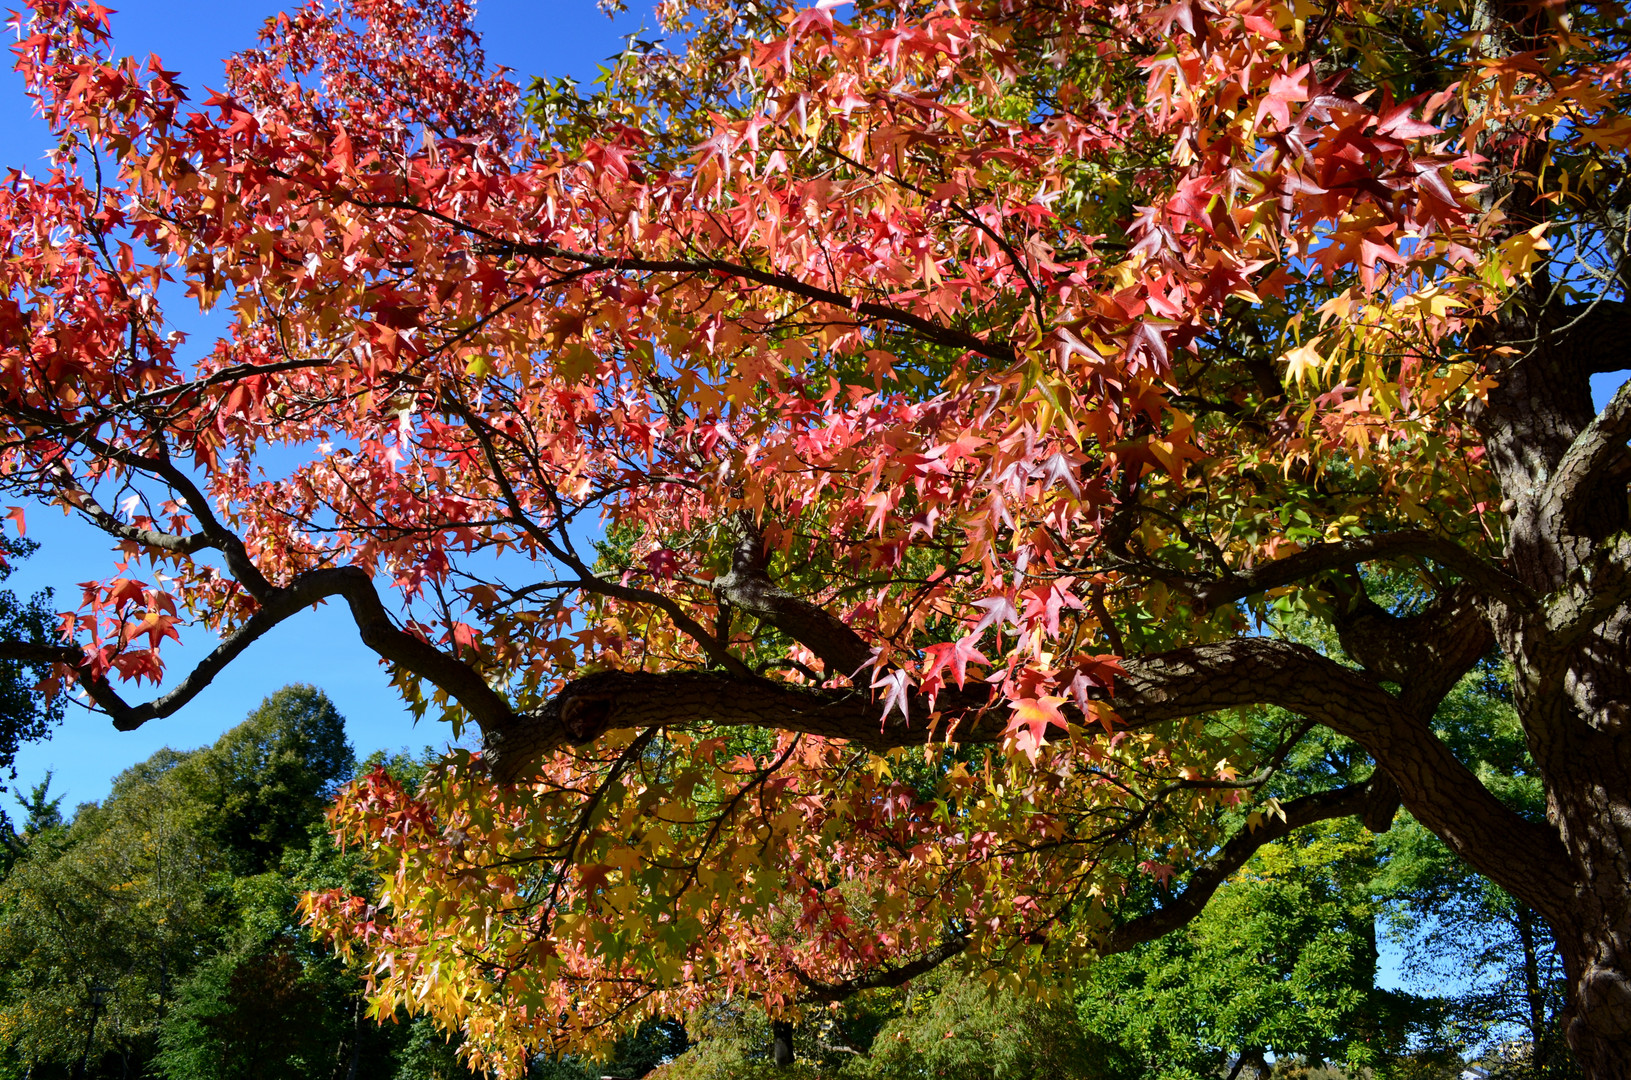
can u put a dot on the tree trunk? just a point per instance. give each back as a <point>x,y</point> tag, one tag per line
<point>356,1039</point>
<point>1562,468</point>
<point>1594,937</point>
<point>781,1045</point>
<point>1534,994</point>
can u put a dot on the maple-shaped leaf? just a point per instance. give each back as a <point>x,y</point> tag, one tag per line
<point>1396,119</point>
<point>999,612</point>
<point>663,563</point>
<point>896,686</point>
<point>956,655</point>
<point>1285,89</point>
<point>1029,721</point>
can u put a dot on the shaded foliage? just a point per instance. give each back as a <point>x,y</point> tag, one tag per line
<point>28,709</point>
<point>157,930</point>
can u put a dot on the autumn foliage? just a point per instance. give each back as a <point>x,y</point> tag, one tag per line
<point>852,467</point>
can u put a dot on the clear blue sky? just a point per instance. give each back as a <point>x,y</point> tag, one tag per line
<point>542,37</point>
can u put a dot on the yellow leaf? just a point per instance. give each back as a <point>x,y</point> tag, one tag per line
<point>1303,362</point>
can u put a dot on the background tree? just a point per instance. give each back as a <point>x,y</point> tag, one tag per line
<point>28,707</point>
<point>1460,930</point>
<point>266,780</point>
<point>1280,966</point>
<point>158,930</point>
<point>962,388</point>
<point>101,929</point>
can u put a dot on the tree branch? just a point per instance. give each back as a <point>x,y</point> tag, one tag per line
<point>215,535</point>
<point>1482,574</point>
<point>1575,483</point>
<point>749,588</point>
<point>1206,878</point>
<point>1376,801</point>
<point>1595,591</point>
<point>1436,786</point>
<point>83,501</point>
<point>1426,653</point>
<point>898,975</point>
<point>589,706</point>
<point>374,625</point>
<point>928,329</point>
<point>1597,334</point>
<point>1438,789</point>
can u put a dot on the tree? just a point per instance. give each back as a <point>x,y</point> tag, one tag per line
<point>1281,964</point>
<point>267,779</point>
<point>961,387</point>
<point>28,709</point>
<point>1280,968</point>
<point>165,917</point>
<point>99,926</point>
<point>1459,929</point>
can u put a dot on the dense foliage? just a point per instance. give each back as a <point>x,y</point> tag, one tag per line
<point>155,933</point>
<point>28,710</point>
<point>967,394</point>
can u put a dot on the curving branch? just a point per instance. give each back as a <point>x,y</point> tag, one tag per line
<point>897,975</point>
<point>1376,801</point>
<point>1425,653</point>
<point>1595,592</point>
<point>588,262</point>
<point>1433,783</point>
<point>77,496</point>
<point>374,625</point>
<point>926,329</point>
<point>1596,334</point>
<point>1482,574</point>
<point>749,588</point>
<point>1207,877</point>
<point>486,435</point>
<point>211,532</point>
<point>1575,485</point>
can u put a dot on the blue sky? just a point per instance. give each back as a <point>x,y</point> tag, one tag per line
<point>543,37</point>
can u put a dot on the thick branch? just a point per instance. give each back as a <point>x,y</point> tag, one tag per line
<point>1597,335</point>
<point>899,975</point>
<point>1593,594</point>
<point>1483,575</point>
<point>1437,787</point>
<point>1520,856</point>
<point>594,704</point>
<point>1426,653</point>
<point>749,588</point>
<point>1576,483</point>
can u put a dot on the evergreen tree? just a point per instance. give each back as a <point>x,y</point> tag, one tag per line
<point>159,929</point>
<point>26,713</point>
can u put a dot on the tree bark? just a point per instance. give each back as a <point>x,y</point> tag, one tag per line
<point>781,1043</point>
<point>1563,471</point>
